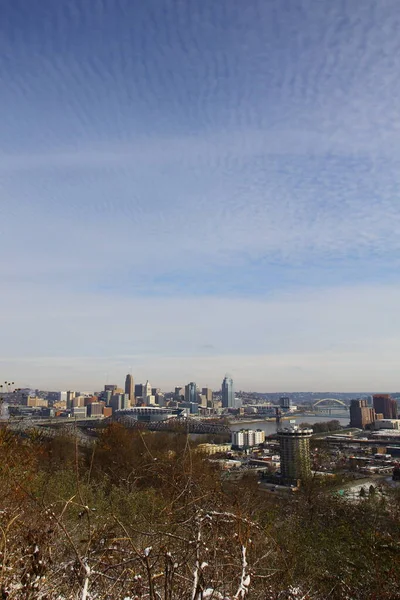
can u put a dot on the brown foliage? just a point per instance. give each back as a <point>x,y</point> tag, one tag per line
<point>144,516</point>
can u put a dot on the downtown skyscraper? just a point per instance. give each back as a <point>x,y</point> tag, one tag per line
<point>385,405</point>
<point>130,389</point>
<point>228,393</point>
<point>191,392</point>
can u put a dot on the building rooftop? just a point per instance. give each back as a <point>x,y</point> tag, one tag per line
<point>295,430</point>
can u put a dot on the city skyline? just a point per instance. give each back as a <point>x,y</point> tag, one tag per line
<point>190,189</point>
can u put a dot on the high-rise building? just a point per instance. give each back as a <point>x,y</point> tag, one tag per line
<point>285,402</point>
<point>228,393</point>
<point>147,389</point>
<point>119,402</point>
<point>179,393</point>
<point>35,401</point>
<point>361,414</point>
<point>78,401</point>
<point>202,400</point>
<point>139,390</point>
<point>70,396</point>
<point>110,387</point>
<point>80,412</point>
<point>247,438</point>
<point>89,400</point>
<point>208,393</point>
<point>191,392</point>
<point>386,405</point>
<point>160,399</point>
<point>295,453</point>
<point>106,396</point>
<point>95,409</point>
<point>130,389</point>
<point>150,400</point>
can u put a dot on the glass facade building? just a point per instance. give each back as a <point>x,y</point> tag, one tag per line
<point>191,392</point>
<point>228,393</point>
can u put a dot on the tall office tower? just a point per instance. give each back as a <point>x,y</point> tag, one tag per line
<point>201,400</point>
<point>285,402</point>
<point>384,404</point>
<point>295,453</point>
<point>147,389</point>
<point>160,399</point>
<point>90,400</point>
<point>106,396</point>
<point>228,394</point>
<point>191,392</point>
<point>139,393</point>
<point>94,409</point>
<point>361,414</point>
<point>119,402</point>
<point>130,389</point>
<point>70,397</point>
<point>78,401</point>
<point>179,393</point>
<point>110,388</point>
<point>208,393</point>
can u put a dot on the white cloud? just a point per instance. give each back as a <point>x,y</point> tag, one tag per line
<point>333,339</point>
<point>184,201</point>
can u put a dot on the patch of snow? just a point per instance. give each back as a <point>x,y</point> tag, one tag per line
<point>210,593</point>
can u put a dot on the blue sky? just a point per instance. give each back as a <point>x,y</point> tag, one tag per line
<point>189,188</point>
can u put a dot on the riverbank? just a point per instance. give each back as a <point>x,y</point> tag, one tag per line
<point>270,426</point>
<point>348,431</point>
<point>247,421</point>
<point>266,420</point>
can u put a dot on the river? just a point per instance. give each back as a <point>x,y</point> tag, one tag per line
<point>271,426</point>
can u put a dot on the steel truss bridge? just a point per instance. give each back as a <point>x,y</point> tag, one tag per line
<point>186,425</point>
<point>91,426</point>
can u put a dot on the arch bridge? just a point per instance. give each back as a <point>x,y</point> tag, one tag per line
<point>329,402</point>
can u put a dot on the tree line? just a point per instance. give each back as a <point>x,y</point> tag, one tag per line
<point>142,515</point>
<point>324,426</point>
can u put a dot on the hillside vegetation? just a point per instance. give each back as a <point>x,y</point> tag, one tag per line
<point>144,516</point>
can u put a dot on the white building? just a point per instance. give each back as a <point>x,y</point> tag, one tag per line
<point>259,437</point>
<point>79,412</point>
<point>247,438</point>
<point>147,389</point>
<point>213,448</point>
<point>238,438</point>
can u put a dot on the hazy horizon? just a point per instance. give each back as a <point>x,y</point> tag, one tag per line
<point>194,188</point>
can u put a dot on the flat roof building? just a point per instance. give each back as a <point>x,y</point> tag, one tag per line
<point>247,438</point>
<point>385,404</point>
<point>361,414</point>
